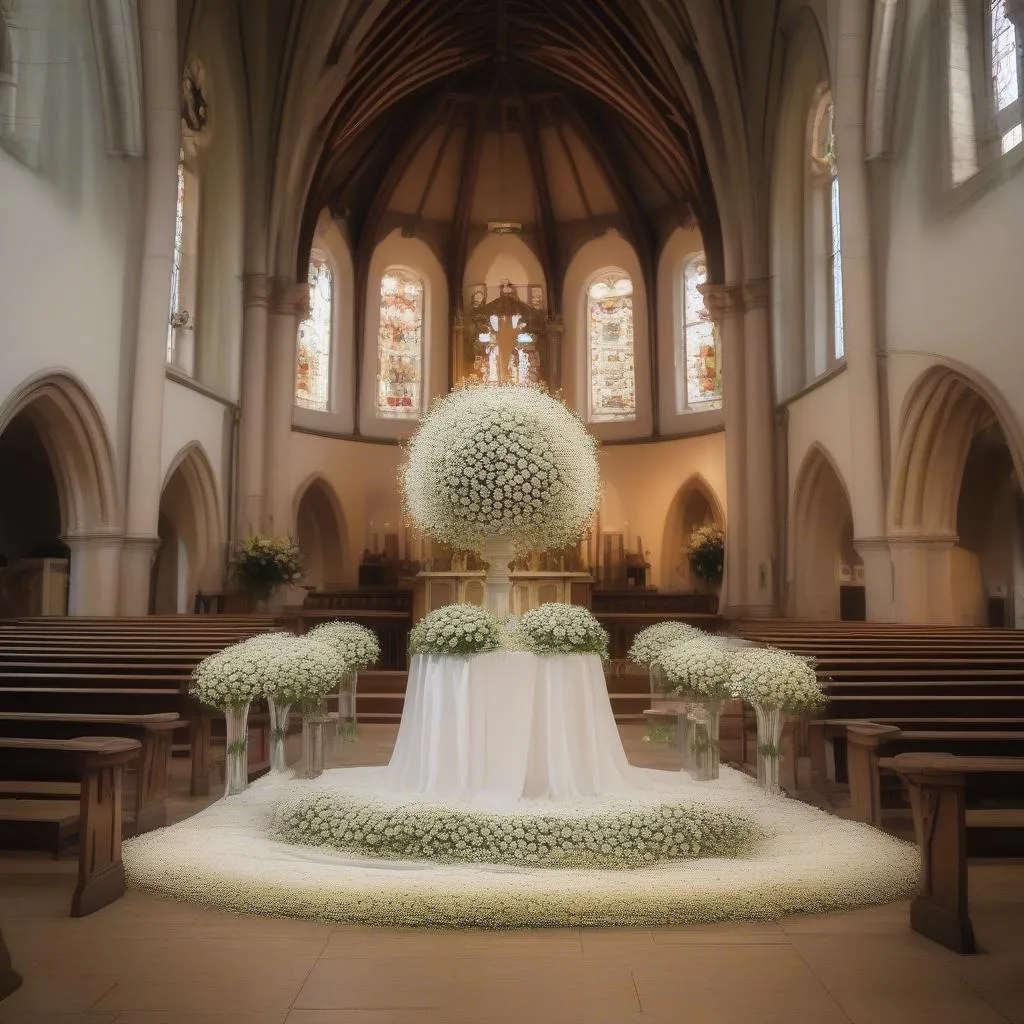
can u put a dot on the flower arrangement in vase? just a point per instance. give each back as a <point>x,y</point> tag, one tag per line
<point>502,470</point>
<point>563,629</point>
<point>705,552</point>
<point>264,564</point>
<point>358,648</point>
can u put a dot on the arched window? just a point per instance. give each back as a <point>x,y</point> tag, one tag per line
<point>184,268</point>
<point>315,338</point>
<point>826,185</point>
<point>610,339</point>
<point>1005,68</point>
<point>698,368</point>
<point>400,345</point>
<point>178,318</point>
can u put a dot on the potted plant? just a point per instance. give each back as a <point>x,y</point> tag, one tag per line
<point>264,565</point>
<point>706,554</point>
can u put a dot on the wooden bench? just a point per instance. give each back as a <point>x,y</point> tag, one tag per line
<point>937,785</point>
<point>99,763</point>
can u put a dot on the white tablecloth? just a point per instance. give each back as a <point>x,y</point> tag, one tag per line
<point>506,727</point>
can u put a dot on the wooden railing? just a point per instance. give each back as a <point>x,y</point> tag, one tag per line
<point>653,602</point>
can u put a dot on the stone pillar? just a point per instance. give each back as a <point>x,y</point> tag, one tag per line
<point>724,304</point>
<point>252,423</point>
<point>923,577</point>
<point>158,25</point>
<point>96,562</point>
<point>762,569</point>
<point>289,302</point>
<point>866,486</point>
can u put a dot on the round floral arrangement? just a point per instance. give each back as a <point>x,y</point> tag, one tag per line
<point>614,838</point>
<point>706,553</point>
<point>357,646</point>
<point>770,678</point>
<point>698,668</point>
<point>303,672</point>
<point>456,629</point>
<point>501,461</point>
<point>262,564</point>
<point>240,673</point>
<point>563,629</point>
<point>650,642</point>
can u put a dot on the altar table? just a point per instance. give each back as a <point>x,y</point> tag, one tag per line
<point>509,726</point>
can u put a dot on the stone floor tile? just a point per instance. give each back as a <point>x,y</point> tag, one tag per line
<point>379,982</point>
<point>201,1017</point>
<point>56,992</point>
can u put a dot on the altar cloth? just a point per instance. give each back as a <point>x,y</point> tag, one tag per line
<point>509,726</point>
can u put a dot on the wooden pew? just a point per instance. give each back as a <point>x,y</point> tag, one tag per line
<point>10,979</point>
<point>98,762</point>
<point>937,784</point>
<point>153,732</point>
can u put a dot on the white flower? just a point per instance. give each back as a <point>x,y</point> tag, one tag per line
<point>563,629</point>
<point>650,642</point>
<point>770,678</point>
<point>456,628</point>
<point>701,668</point>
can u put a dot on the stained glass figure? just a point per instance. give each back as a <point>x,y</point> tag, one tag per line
<point>400,345</point>
<point>313,348</point>
<point>1005,83</point>
<point>700,355</point>
<point>610,333</point>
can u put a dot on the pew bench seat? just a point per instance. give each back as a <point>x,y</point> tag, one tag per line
<point>26,823</point>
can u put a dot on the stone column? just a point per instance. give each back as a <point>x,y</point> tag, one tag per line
<point>252,423</point>
<point>761,599</point>
<point>923,577</point>
<point>866,486</point>
<point>724,304</point>
<point>289,302</point>
<point>158,25</point>
<point>96,561</point>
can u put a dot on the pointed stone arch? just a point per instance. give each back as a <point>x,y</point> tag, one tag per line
<point>942,574</point>
<point>190,558</point>
<point>694,504</point>
<point>322,534</point>
<point>821,537</point>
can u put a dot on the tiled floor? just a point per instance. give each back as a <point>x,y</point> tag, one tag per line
<point>145,960</point>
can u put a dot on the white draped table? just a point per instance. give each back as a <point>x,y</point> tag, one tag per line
<point>509,726</point>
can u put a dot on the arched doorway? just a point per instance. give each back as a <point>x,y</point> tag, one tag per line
<point>695,504</point>
<point>190,557</point>
<point>956,510</point>
<point>320,532</point>
<point>59,534</point>
<point>824,562</point>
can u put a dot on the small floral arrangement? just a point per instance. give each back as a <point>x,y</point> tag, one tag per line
<point>563,629</point>
<point>240,673</point>
<point>358,646</point>
<point>456,629</point>
<point>650,642</point>
<point>262,564</point>
<point>615,838</point>
<point>706,553</point>
<point>501,461</point>
<point>698,668</point>
<point>307,671</point>
<point>769,678</point>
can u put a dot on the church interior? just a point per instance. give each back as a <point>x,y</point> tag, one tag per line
<point>247,245</point>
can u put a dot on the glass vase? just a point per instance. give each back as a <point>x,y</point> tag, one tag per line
<point>707,718</point>
<point>278,735</point>
<point>236,759</point>
<point>315,721</point>
<point>770,723</point>
<point>684,737</point>
<point>347,726</point>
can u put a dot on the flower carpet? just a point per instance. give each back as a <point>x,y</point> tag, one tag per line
<point>802,860</point>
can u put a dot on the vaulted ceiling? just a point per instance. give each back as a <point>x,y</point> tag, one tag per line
<point>570,82</point>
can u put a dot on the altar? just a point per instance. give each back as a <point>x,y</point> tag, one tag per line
<point>529,588</point>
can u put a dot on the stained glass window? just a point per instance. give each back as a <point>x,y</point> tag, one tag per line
<point>1005,72</point>
<point>699,350</point>
<point>610,333</point>
<point>400,345</point>
<point>313,347</point>
<point>179,235</point>
<point>823,157</point>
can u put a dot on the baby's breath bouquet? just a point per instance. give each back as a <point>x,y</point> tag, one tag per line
<point>358,646</point>
<point>698,668</point>
<point>563,629</point>
<point>262,564</point>
<point>706,553</point>
<point>769,678</point>
<point>456,629</point>
<point>501,462</point>
<point>649,643</point>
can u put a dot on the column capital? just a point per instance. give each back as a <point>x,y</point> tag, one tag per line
<point>288,297</point>
<point>255,290</point>
<point>722,301</point>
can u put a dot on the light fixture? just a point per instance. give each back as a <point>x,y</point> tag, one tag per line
<point>505,227</point>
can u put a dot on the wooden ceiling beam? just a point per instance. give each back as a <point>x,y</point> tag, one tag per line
<point>550,250</point>
<point>458,241</point>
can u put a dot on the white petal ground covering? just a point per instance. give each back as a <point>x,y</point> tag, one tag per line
<point>808,861</point>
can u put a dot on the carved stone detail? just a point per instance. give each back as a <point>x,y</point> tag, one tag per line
<point>756,293</point>
<point>255,290</point>
<point>288,297</point>
<point>722,301</point>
